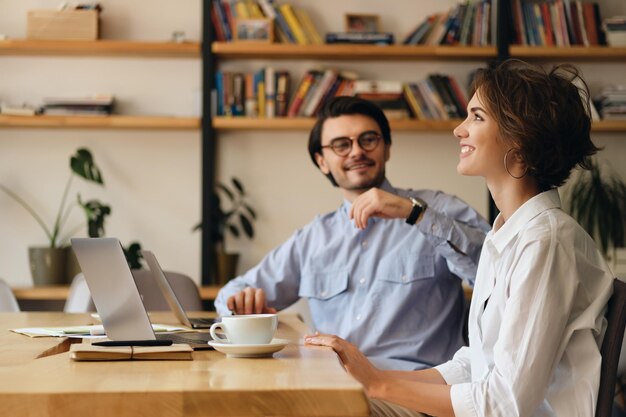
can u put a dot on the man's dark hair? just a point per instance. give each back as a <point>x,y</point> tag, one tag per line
<point>341,106</point>
<point>541,114</point>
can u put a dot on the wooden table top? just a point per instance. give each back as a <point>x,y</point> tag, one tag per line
<point>37,378</point>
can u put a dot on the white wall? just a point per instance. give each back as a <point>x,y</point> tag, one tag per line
<point>153,177</point>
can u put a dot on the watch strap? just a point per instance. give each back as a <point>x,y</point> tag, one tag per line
<point>418,207</point>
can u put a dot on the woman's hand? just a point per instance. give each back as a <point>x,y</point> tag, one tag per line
<point>352,359</point>
<point>379,203</point>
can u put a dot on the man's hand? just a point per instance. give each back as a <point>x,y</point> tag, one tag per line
<point>249,301</point>
<point>378,203</point>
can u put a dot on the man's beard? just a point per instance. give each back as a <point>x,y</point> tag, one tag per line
<point>373,183</point>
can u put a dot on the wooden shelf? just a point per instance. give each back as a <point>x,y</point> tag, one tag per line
<point>407,125</point>
<point>100,48</point>
<point>575,53</point>
<point>60,292</point>
<point>615,126</point>
<point>101,122</point>
<point>302,123</point>
<point>243,50</point>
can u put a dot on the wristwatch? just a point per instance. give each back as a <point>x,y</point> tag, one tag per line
<point>418,208</point>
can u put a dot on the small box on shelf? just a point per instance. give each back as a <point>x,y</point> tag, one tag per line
<point>62,24</point>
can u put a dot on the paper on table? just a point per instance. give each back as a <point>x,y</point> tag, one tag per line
<point>84,332</point>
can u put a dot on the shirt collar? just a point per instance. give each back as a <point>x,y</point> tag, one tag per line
<point>538,204</point>
<point>385,186</point>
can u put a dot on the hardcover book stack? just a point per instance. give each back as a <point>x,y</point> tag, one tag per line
<point>465,24</point>
<point>557,23</point>
<point>291,24</point>
<point>615,28</point>
<point>388,95</point>
<point>438,97</point>
<point>96,105</point>
<point>613,103</point>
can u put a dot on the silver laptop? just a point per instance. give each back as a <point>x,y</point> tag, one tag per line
<point>170,296</point>
<point>116,296</point>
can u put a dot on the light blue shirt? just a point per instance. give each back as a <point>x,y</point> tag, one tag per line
<point>392,289</point>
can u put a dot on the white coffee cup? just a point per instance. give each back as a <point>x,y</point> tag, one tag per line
<point>250,329</point>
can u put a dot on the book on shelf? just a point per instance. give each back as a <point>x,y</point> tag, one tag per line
<point>251,103</point>
<point>378,38</point>
<point>325,83</point>
<point>309,28</point>
<point>317,77</point>
<point>388,95</point>
<point>88,352</point>
<point>301,92</point>
<point>13,110</point>
<point>294,25</point>
<point>557,23</point>
<point>270,92</point>
<point>615,28</point>
<point>283,87</point>
<point>285,33</point>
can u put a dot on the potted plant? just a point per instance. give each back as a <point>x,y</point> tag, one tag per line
<point>597,200</point>
<point>49,264</point>
<point>234,217</point>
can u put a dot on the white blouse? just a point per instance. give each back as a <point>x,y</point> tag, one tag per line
<point>536,319</point>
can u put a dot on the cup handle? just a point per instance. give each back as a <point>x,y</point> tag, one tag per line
<point>214,334</point>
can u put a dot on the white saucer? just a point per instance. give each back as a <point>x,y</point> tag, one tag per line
<point>249,351</point>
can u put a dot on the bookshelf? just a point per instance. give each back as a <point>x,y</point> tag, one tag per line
<point>103,48</point>
<point>25,47</point>
<point>234,50</point>
<point>101,122</point>
<point>402,125</point>
<point>573,53</point>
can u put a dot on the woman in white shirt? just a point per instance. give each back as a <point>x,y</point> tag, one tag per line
<point>537,314</point>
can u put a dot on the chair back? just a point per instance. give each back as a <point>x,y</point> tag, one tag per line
<point>611,347</point>
<point>183,286</point>
<point>8,303</point>
<point>79,298</point>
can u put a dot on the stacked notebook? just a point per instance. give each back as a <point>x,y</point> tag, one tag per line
<point>87,352</point>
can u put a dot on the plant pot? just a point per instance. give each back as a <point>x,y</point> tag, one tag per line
<point>73,267</point>
<point>226,266</point>
<point>48,266</point>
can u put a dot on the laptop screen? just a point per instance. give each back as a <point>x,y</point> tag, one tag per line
<point>113,288</point>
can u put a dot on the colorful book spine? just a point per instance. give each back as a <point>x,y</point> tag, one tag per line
<point>324,84</point>
<point>221,14</point>
<point>270,92</point>
<point>309,28</point>
<point>412,101</point>
<point>251,103</point>
<point>287,12</point>
<point>284,27</point>
<point>300,94</point>
<point>283,84</point>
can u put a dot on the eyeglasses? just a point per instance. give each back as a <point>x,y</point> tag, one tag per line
<point>368,141</point>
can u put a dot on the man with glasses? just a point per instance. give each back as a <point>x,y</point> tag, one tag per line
<point>389,283</point>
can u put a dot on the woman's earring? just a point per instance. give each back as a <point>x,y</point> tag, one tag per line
<point>506,156</point>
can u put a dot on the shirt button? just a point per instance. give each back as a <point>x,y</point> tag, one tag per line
<point>362,280</point>
<point>358,317</point>
<point>364,244</point>
<point>404,278</point>
<point>434,228</point>
<point>323,293</point>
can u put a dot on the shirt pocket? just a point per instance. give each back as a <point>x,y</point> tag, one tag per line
<point>406,269</point>
<point>323,285</point>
